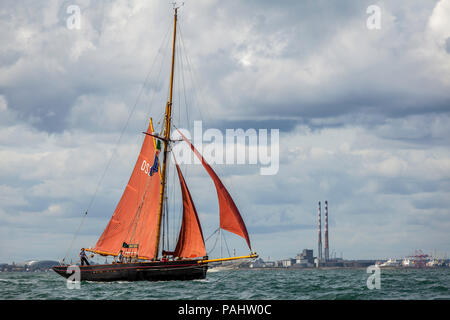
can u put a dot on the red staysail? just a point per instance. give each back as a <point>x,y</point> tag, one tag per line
<point>190,241</point>
<point>230,218</point>
<point>135,218</point>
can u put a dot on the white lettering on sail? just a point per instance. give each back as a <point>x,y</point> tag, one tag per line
<point>145,166</point>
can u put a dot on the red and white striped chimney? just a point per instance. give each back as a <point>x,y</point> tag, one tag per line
<point>319,254</point>
<point>327,254</point>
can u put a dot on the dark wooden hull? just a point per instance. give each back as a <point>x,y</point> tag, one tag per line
<point>150,271</point>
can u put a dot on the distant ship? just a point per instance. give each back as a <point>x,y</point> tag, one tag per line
<point>135,226</point>
<point>407,262</point>
<point>390,263</point>
<point>435,263</point>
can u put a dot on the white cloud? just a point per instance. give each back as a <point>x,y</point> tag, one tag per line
<point>3,104</point>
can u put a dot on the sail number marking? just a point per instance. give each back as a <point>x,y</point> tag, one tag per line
<point>149,168</point>
<point>145,167</point>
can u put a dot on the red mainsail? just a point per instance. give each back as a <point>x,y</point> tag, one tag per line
<point>190,241</point>
<point>230,218</point>
<point>135,218</point>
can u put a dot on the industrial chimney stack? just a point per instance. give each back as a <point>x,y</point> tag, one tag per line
<point>327,256</point>
<point>319,255</point>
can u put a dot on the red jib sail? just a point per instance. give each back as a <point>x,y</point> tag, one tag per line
<point>190,241</point>
<point>135,218</point>
<point>230,218</point>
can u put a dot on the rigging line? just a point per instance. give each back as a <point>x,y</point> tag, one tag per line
<point>177,211</point>
<point>215,243</point>
<point>164,211</point>
<point>194,82</point>
<point>181,88</point>
<point>166,223</point>
<point>168,87</point>
<point>167,192</point>
<point>192,88</point>
<point>163,228</point>
<point>226,244</point>
<point>179,83</point>
<point>162,111</point>
<point>176,88</point>
<point>163,221</point>
<point>177,207</point>
<point>163,52</point>
<point>171,204</point>
<point>74,236</point>
<point>179,218</point>
<point>184,85</point>
<point>167,209</point>
<point>180,210</point>
<point>212,234</point>
<point>177,118</point>
<point>123,130</point>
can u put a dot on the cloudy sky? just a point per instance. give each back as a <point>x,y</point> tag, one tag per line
<point>363,116</point>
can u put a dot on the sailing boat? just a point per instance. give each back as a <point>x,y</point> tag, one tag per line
<point>134,229</point>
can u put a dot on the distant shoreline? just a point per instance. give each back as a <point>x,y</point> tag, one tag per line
<point>332,268</point>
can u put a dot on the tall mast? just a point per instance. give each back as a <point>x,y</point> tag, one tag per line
<point>167,125</point>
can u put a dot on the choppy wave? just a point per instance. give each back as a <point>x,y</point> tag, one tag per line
<point>284,284</point>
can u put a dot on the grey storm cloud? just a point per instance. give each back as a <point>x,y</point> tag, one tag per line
<point>363,116</point>
<point>313,60</point>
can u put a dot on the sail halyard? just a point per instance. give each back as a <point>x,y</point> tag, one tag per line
<point>230,218</point>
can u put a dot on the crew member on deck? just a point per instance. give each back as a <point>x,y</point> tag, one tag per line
<point>120,257</point>
<point>83,257</point>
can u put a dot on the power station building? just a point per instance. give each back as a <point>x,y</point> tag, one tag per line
<point>305,259</point>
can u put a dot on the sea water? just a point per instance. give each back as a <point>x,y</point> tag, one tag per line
<point>270,284</point>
